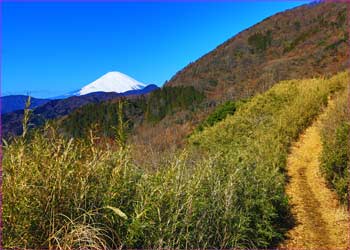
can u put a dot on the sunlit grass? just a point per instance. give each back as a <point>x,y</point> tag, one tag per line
<point>335,129</point>
<point>226,189</point>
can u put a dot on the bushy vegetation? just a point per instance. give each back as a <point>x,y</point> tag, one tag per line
<point>220,113</point>
<point>300,39</point>
<point>255,141</point>
<point>226,192</point>
<point>335,45</point>
<point>335,130</point>
<point>260,41</point>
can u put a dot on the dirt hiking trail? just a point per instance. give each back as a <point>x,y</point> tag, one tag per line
<point>321,222</point>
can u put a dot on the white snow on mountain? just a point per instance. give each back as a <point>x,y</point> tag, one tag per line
<point>112,82</point>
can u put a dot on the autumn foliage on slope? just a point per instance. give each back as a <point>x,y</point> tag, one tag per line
<point>310,40</point>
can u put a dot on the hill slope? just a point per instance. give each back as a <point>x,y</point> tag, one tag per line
<point>306,41</point>
<point>302,42</point>
<point>310,40</point>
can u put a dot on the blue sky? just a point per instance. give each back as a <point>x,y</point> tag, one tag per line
<point>49,49</point>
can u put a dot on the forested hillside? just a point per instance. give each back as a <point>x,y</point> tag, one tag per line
<point>103,117</point>
<point>310,40</point>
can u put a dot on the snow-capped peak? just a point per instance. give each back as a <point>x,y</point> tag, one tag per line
<point>112,82</point>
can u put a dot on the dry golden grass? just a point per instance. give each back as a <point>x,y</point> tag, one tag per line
<point>59,192</point>
<point>321,222</point>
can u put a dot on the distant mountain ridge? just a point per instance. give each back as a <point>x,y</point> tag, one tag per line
<point>149,88</point>
<point>12,103</point>
<point>12,122</point>
<point>112,82</point>
<point>103,89</point>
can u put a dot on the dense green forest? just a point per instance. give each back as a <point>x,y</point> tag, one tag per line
<point>102,118</point>
<point>167,100</point>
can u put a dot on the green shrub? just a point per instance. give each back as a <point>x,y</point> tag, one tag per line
<point>297,25</point>
<point>299,39</point>
<point>260,41</point>
<point>220,113</point>
<point>335,45</point>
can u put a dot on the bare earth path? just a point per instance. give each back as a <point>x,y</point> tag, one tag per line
<point>321,223</point>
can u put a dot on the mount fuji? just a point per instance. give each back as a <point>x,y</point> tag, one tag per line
<point>112,82</point>
<point>110,85</point>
